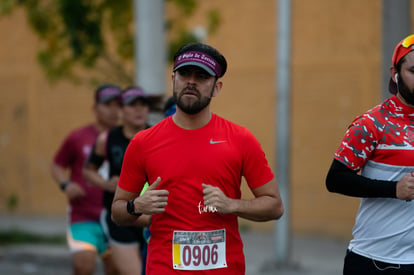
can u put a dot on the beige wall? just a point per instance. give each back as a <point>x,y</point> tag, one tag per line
<point>35,116</point>
<point>336,59</point>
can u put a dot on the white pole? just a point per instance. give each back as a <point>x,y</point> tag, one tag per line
<point>282,228</point>
<point>150,49</point>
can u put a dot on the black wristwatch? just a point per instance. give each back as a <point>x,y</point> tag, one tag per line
<point>64,184</point>
<point>131,209</point>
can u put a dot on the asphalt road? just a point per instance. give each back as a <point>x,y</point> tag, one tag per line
<point>310,255</point>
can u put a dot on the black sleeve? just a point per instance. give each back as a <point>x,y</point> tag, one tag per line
<point>94,159</point>
<point>343,180</point>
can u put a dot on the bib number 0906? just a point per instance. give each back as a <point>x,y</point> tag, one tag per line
<point>199,250</point>
<point>196,255</point>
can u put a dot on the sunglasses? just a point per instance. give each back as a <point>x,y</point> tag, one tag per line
<point>409,41</point>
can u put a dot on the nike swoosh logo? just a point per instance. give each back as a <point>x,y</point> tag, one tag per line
<point>217,141</point>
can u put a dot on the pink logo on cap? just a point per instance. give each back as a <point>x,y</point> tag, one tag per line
<point>132,94</point>
<point>108,93</point>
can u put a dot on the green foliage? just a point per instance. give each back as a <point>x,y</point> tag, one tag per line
<point>213,17</point>
<point>21,237</point>
<point>187,7</point>
<point>12,202</point>
<point>95,36</point>
<point>183,38</point>
<point>6,6</point>
<point>83,30</point>
<point>184,35</point>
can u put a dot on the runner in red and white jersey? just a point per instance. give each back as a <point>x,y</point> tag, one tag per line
<point>375,161</point>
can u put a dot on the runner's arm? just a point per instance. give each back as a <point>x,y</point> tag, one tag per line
<point>61,176</point>
<point>59,173</point>
<point>151,202</point>
<point>94,162</point>
<point>341,179</point>
<point>267,204</point>
<point>119,207</point>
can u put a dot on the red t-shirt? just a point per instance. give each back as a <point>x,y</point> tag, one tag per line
<point>72,154</point>
<point>218,154</point>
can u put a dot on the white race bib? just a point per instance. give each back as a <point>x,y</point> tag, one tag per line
<point>199,250</point>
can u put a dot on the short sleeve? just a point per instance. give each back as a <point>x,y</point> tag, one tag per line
<point>256,169</point>
<point>66,154</point>
<point>133,177</point>
<point>358,144</point>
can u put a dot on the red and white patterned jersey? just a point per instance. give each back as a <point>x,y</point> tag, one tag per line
<point>380,144</point>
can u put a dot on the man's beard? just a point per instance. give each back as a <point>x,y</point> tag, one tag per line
<point>405,92</point>
<point>193,107</point>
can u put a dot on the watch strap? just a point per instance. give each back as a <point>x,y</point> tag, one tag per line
<point>64,184</point>
<point>131,208</point>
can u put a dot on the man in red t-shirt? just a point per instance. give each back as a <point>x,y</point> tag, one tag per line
<point>195,161</point>
<point>85,235</point>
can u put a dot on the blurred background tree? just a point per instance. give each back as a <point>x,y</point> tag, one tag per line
<point>88,42</point>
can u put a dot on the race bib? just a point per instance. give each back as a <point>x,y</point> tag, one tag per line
<point>199,250</point>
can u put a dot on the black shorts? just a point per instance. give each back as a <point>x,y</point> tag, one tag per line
<point>123,235</point>
<point>356,264</point>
